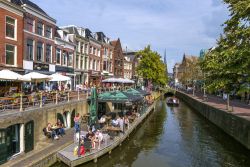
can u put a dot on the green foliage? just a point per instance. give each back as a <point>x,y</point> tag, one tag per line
<point>151,66</point>
<point>227,66</point>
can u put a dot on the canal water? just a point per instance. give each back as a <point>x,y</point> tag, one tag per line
<point>176,137</point>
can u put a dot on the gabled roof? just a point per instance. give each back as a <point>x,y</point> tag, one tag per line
<point>33,5</point>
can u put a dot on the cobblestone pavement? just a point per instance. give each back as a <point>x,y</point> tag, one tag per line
<point>236,107</point>
<point>44,149</point>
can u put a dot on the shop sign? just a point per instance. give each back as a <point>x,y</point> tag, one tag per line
<point>40,67</point>
<point>64,69</point>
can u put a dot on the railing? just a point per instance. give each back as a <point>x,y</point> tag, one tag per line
<point>40,99</point>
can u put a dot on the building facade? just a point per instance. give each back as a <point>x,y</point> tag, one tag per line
<point>11,36</point>
<point>38,40</point>
<point>65,55</point>
<point>106,56</point>
<point>128,64</point>
<point>118,59</point>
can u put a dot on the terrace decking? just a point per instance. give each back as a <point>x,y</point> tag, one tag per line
<point>67,156</point>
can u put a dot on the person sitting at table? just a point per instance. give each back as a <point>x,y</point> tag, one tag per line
<point>121,123</point>
<point>102,120</point>
<point>114,122</point>
<point>51,131</point>
<point>98,138</point>
<point>60,126</point>
<point>90,136</point>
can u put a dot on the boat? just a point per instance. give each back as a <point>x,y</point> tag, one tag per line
<point>173,101</point>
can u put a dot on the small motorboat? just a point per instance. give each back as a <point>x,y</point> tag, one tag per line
<point>172,101</point>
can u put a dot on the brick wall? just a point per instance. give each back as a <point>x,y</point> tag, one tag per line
<point>19,37</point>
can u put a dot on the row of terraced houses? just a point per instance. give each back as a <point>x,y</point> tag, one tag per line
<point>30,40</point>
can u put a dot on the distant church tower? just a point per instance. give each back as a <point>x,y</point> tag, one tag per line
<point>165,61</point>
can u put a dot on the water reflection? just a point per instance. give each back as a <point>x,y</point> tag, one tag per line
<point>176,137</point>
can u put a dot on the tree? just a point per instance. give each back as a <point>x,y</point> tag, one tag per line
<point>191,71</point>
<point>151,67</point>
<point>227,66</point>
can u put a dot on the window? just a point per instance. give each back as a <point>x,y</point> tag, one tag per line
<point>78,46</point>
<point>91,49</point>
<point>30,50</point>
<point>39,51</point>
<point>48,54</point>
<point>81,63</point>
<point>10,27</point>
<point>40,28</point>
<point>2,137</point>
<point>77,61</point>
<point>82,47</point>
<point>30,24</point>
<point>48,32</point>
<point>99,53</point>
<point>90,64</point>
<point>65,54</point>
<point>58,56</point>
<point>93,66</point>
<point>105,65</point>
<point>94,51</point>
<point>10,54</point>
<point>85,63</point>
<point>70,60</point>
<point>86,48</point>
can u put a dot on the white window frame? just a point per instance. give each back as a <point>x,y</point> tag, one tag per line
<point>50,53</point>
<point>15,55</point>
<point>42,58</point>
<point>71,55</point>
<point>15,29</point>
<point>33,57</point>
<point>63,59</point>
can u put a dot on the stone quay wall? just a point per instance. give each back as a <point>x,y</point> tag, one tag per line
<point>43,116</point>
<point>235,126</point>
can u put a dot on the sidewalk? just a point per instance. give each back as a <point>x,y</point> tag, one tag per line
<point>236,107</point>
<point>45,149</point>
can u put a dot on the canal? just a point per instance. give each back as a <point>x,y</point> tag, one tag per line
<point>176,137</point>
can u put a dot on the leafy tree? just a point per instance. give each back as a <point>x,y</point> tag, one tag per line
<point>227,66</point>
<point>151,67</point>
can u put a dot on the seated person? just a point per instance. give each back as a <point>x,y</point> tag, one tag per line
<point>115,123</point>
<point>60,126</point>
<point>102,119</point>
<point>89,136</point>
<point>51,131</point>
<point>121,123</point>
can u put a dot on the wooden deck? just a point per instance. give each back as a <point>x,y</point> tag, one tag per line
<point>66,155</point>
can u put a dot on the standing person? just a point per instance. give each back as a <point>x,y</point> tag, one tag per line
<point>77,122</point>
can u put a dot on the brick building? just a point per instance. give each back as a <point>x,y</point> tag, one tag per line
<point>11,36</point>
<point>38,41</point>
<point>118,59</point>
<point>106,55</point>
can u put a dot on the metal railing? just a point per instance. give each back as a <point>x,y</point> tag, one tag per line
<point>23,102</point>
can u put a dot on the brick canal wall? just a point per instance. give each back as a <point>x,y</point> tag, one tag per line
<point>235,126</point>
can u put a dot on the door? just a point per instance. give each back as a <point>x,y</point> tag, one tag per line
<point>60,117</point>
<point>29,136</point>
<point>72,124</point>
<point>3,146</point>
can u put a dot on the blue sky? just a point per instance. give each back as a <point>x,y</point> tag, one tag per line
<point>180,26</point>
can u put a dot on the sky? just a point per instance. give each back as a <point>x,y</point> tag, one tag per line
<point>179,26</point>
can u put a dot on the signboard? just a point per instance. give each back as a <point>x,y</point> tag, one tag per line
<point>64,69</point>
<point>40,67</point>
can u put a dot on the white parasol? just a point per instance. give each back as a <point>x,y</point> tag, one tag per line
<point>35,76</point>
<point>59,77</point>
<point>11,76</point>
